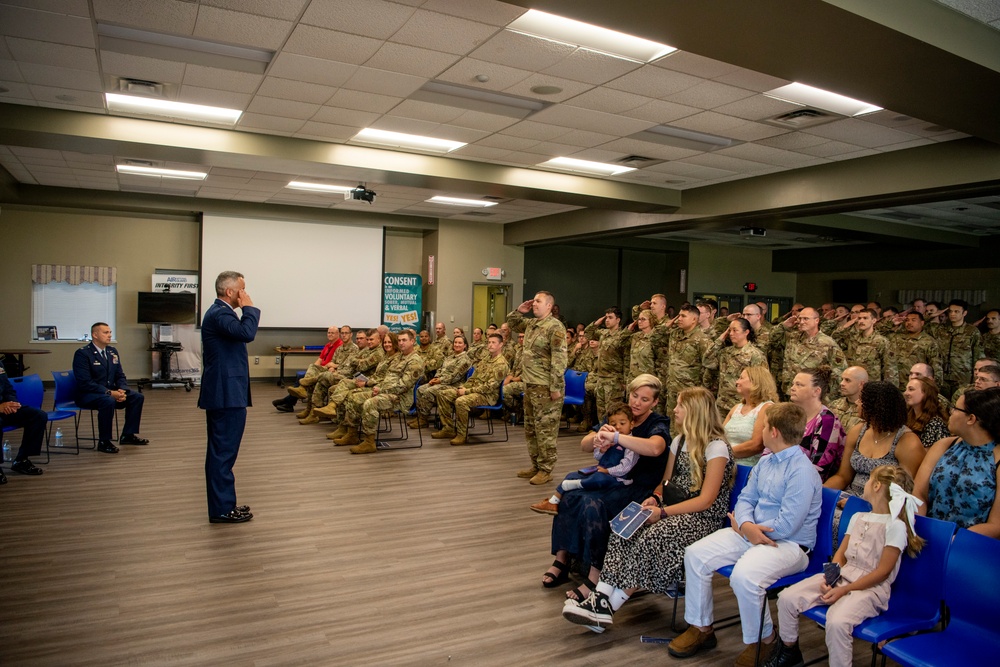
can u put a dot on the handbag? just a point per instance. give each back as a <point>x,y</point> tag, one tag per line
<point>672,492</point>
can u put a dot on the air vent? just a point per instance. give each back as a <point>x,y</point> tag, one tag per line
<point>638,161</point>
<point>140,87</point>
<point>899,215</point>
<point>138,163</point>
<point>475,214</point>
<point>802,118</point>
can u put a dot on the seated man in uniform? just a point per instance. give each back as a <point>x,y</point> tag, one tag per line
<point>101,385</point>
<point>483,388</point>
<point>32,420</point>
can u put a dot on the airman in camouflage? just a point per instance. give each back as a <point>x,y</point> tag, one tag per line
<point>991,339</point>
<point>870,350</point>
<point>394,392</point>
<point>342,358</point>
<point>431,355</point>
<point>442,341</point>
<point>912,346</point>
<point>612,358</point>
<point>848,406</point>
<point>449,376</point>
<point>337,397</point>
<point>641,357</point>
<point>345,351</point>
<point>365,361</point>
<point>688,346</point>
<point>807,347</point>
<point>544,368</point>
<point>483,388</point>
<point>731,359</point>
<point>512,386</point>
<point>961,344</point>
<point>987,375</point>
<point>477,348</point>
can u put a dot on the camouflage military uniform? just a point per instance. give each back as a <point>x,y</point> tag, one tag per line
<point>717,326</point>
<point>544,368</point>
<point>432,358</point>
<point>509,350</point>
<point>340,392</point>
<point>906,349</point>
<point>960,348</point>
<point>452,374</point>
<point>991,345</point>
<point>641,358</point>
<point>612,360</point>
<point>874,354</point>
<point>887,327</point>
<point>829,326</point>
<point>730,362</point>
<point>395,389</point>
<point>363,362</point>
<point>685,366</point>
<point>659,340</point>
<point>819,351</point>
<point>847,413</point>
<point>446,346</point>
<point>513,390</point>
<point>478,351</point>
<point>483,388</point>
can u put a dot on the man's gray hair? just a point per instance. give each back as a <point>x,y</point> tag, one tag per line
<point>226,280</point>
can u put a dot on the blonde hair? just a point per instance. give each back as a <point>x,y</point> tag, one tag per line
<point>645,380</point>
<point>701,426</point>
<point>762,387</point>
<point>889,474</point>
<point>653,321</point>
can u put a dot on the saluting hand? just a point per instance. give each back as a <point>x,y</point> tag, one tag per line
<point>525,307</point>
<point>243,299</point>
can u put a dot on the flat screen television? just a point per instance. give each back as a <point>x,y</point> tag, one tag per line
<point>167,308</point>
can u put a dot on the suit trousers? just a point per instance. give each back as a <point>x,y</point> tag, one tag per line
<point>106,406</point>
<point>33,421</point>
<point>225,432</point>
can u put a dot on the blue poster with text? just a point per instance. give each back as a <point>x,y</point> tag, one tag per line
<point>402,294</point>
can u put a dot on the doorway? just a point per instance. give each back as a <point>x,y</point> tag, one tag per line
<point>490,304</point>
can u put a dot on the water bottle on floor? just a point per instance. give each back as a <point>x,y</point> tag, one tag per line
<point>7,455</point>
<point>59,438</point>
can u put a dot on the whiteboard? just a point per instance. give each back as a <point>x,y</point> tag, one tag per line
<point>302,275</point>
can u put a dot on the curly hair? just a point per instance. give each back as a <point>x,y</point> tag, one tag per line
<point>882,406</point>
<point>930,406</point>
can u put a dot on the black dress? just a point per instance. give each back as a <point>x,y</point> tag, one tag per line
<point>582,525</point>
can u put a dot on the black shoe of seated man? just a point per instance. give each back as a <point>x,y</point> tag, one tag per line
<point>785,656</point>
<point>234,516</point>
<point>132,439</point>
<point>285,403</point>
<point>25,467</point>
<point>243,509</point>
<point>107,448</point>
<point>3,478</point>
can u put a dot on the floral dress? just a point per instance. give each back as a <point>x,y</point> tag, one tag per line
<point>933,431</point>
<point>963,484</point>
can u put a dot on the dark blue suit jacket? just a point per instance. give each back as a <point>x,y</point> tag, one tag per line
<point>225,379</point>
<point>7,391</point>
<point>95,376</point>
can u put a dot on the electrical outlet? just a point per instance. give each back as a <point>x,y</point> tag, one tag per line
<point>277,360</point>
<point>256,361</point>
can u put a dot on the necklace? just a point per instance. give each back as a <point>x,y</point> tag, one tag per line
<point>876,438</point>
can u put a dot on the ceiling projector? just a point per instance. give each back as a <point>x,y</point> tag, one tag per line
<point>360,193</point>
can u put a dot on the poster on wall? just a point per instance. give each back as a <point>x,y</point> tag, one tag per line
<point>402,296</point>
<point>185,364</point>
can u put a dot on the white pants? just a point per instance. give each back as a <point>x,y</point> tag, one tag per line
<point>757,567</point>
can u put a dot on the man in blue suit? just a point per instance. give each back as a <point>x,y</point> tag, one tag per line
<point>225,391</point>
<point>32,420</point>
<point>101,386</point>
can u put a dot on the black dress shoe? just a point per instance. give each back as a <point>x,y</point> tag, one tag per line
<point>107,448</point>
<point>132,439</point>
<point>284,407</point>
<point>25,467</point>
<point>243,509</point>
<point>3,477</point>
<point>234,516</point>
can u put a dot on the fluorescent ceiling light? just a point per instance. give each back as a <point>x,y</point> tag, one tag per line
<point>319,187</point>
<point>586,166</point>
<point>401,140</point>
<point>455,201</point>
<point>682,138</point>
<point>800,93</point>
<point>162,46</point>
<point>477,99</point>
<point>168,109</point>
<point>587,36</point>
<point>165,173</point>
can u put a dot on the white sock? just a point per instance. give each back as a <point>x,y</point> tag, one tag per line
<point>571,484</point>
<point>554,500</point>
<point>618,598</point>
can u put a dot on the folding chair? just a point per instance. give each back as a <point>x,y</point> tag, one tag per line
<point>575,388</point>
<point>971,582</point>
<point>404,434</point>
<point>917,600</point>
<point>31,393</point>
<point>490,410</point>
<point>65,400</point>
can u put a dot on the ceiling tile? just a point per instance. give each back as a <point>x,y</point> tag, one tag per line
<point>279,9</point>
<point>59,55</point>
<point>381,82</point>
<point>221,79</point>
<point>732,164</point>
<point>272,106</point>
<point>709,121</point>
<point>766,155</point>
<point>585,139</point>
<point>425,29</point>
<point>569,88</point>
<point>61,77</point>
<point>608,100</point>
<point>224,25</point>
<point>483,11</point>
<point>326,131</point>
<point>73,156</point>
<point>591,67</point>
<point>436,113</point>
<point>709,94</point>
<point>479,120</point>
<point>750,131</point>
<point>854,131</point>
<point>793,141</point>
<point>695,65</point>
<point>529,129</point>
<point>170,16</point>
<point>345,117</point>
<point>47,26</point>
<point>827,148</point>
<point>647,149</point>
<point>140,67</point>
<point>597,155</point>
<point>300,91</point>
<point>549,149</point>
<point>411,60</point>
<point>506,142</point>
<point>593,121</point>
<point>313,70</point>
<point>744,78</point>
<point>371,18</point>
<point>50,96</point>
<point>70,7</point>
<point>515,49</point>
<point>500,77</point>
<point>356,99</point>
<point>465,134</point>
<point>756,107</point>
<point>9,71</point>
<point>307,40</point>
<point>477,151</point>
<point>660,112</point>
<point>212,97</point>
<point>653,81</point>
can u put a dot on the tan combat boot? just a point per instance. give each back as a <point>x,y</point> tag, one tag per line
<point>339,433</point>
<point>350,438</point>
<point>328,411</point>
<point>367,446</point>
<point>298,392</point>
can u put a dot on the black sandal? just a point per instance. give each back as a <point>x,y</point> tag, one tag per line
<point>581,592</point>
<point>552,580</point>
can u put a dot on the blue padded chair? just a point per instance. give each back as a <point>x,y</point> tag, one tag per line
<point>971,582</point>
<point>31,392</point>
<point>65,400</point>
<point>851,507</point>
<point>918,593</point>
<point>490,411</point>
<point>404,433</point>
<point>575,387</point>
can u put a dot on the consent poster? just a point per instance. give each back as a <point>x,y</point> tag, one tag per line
<point>402,294</point>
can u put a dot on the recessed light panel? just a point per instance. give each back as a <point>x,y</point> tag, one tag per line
<point>163,173</point>
<point>586,166</point>
<point>455,201</point>
<point>319,187</point>
<point>178,110</point>
<point>800,93</point>
<point>587,36</point>
<point>401,140</point>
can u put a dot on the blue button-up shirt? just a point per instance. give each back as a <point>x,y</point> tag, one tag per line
<point>785,493</point>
